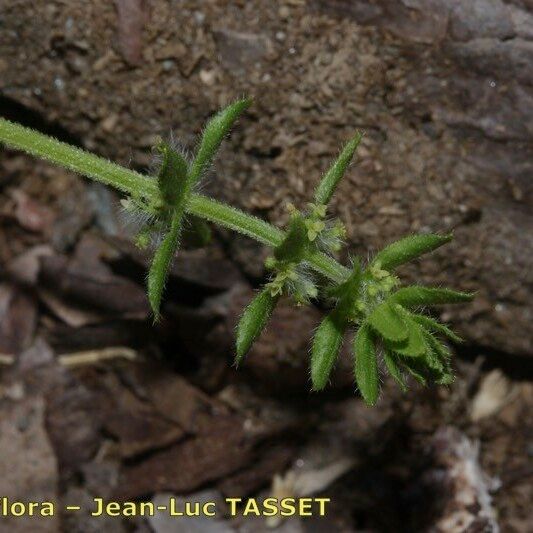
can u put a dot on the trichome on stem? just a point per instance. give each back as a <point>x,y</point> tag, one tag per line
<point>387,319</point>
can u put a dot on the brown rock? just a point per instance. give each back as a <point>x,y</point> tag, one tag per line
<point>137,426</point>
<point>132,16</point>
<point>191,464</point>
<point>72,422</point>
<point>90,292</point>
<point>18,317</point>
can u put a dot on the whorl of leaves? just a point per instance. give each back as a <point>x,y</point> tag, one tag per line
<point>176,181</point>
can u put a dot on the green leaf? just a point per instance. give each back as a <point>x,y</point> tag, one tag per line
<point>173,183</point>
<point>326,346</point>
<point>366,368</point>
<point>172,174</point>
<point>440,349</point>
<point>432,356</point>
<point>328,183</point>
<point>215,131</point>
<point>253,321</point>
<point>295,243</point>
<point>386,321</point>
<point>433,325</point>
<point>160,266</point>
<point>409,248</point>
<point>416,296</point>
<point>446,376</point>
<point>438,360</point>
<point>176,186</point>
<point>415,344</point>
<point>394,369</point>
<point>416,368</point>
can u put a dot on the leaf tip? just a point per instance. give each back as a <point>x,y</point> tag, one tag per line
<point>242,104</point>
<point>240,352</point>
<point>318,382</point>
<point>156,316</point>
<point>238,358</point>
<point>357,138</point>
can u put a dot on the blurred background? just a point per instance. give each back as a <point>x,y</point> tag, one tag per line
<point>95,401</point>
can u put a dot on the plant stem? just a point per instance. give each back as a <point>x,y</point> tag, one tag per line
<point>128,181</point>
<point>234,219</point>
<point>63,154</point>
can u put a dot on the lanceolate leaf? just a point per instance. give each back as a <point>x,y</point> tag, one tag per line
<point>394,369</point>
<point>172,175</point>
<point>415,345</point>
<point>161,262</point>
<point>432,356</point>
<point>433,325</point>
<point>438,361</point>
<point>215,131</point>
<point>409,248</point>
<point>326,346</point>
<point>440,349</point>
<point>253,321</point>
<point>172,181</point>
<point>415,368</point>
<point>176,185</point>
<point>366,368</point>
<point>446,377</point>
<point>416,296</point>
<point>328,183</point>
<point>386,321</point>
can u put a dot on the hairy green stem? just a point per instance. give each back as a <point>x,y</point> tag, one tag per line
<point>234,219</point>
<point>63,154</point>
<point>128,181</point>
